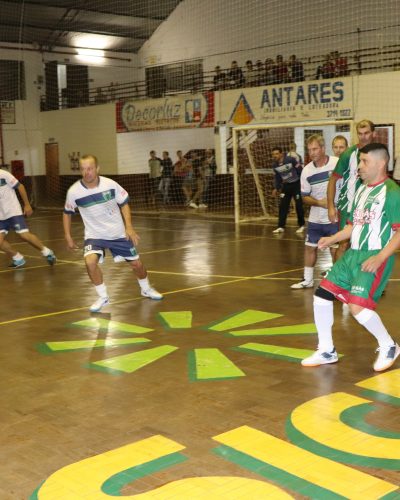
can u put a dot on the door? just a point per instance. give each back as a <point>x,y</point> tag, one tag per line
<point>53,194</point>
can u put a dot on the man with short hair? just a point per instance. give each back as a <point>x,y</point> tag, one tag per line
<point>103,205</point>
<point>361,275</point>
<point>314,180</point>
<point>346,169</point>
<point>287,172</point>
<point>339,145</point>
<point>154,175</point>
<point>12,219</point>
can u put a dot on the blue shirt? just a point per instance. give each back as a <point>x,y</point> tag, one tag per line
<point>286,172</point>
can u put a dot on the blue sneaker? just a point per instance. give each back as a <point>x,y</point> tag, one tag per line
<point>51,258</point>
<point>17,263</point>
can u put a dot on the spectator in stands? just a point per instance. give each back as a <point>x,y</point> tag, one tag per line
<point>187,184</point>
<point>269,75</point>
<point>250,75</point>
<point>178,175</point>
<point>260,76</point>
<point>219,79</point>
<point>100,97</point>
<point>327,70</point>
<point>281,70</point>
<point>154,175</point>
<point>341,68</point>
<point>209,168</point>
<point>235,76</point>
<point>166,176</point>
<point>296,69</point>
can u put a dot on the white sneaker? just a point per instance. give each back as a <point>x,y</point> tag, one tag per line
<point>203,205</point>
<point>151,293</point>
<point>99,304</point>
<point>278,230</point>
<point>302,284</point>
<point>300,230</point>
<point>386,357</point>
<point>192,204</point>
<point>321,358</point>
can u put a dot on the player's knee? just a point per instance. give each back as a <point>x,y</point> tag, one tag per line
<point>323,294</point>
<point>362,315</point>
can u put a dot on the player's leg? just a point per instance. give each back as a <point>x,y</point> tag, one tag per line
<point>19,225</point>
<point>93,255</point>
<point>141,274</point>
<point>17,259</point>
<point>366,291</point>
<point>284,204</point>
<point>310,257</point>
<point>299,210</point>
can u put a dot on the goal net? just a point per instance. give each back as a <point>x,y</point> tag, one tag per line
<point>253,164</point>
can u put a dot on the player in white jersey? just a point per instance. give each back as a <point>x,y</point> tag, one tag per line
<point>359,277</point>
<point>12,219</point>
<point>103,205</point>
<point>314,181</point>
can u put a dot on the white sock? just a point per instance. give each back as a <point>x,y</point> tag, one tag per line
<point>101,290</point>
<point>18,256</point>
<point>323,317</point>
<point>308,274</point>
<point>373,323</point>
<point>46,251</point>
<point>144,283</point>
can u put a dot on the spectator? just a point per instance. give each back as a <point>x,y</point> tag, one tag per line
<point>209,168</point>
<point>269,75</point>
<point>327,70</point>
<point>260,76</point>
<point>154,175</point>
<point>166,176</point>
<point>296,69</point>
<point>179,174</point>
<point>341,68</point>
<point>250,75</point>
<point>187,184</point>
<point>281,70</point>
<point>219,79</point>
<point>198,179</point>
<point>235,76</point>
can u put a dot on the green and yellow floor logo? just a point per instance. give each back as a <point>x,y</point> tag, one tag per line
<point>203,363</point>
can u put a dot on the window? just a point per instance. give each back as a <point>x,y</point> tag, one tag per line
<point>12,80</point>
<point>176,77</point>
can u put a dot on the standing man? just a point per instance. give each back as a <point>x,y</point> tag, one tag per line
<point>12,218</point>
<point>154,175</point>
<point>314,181</point>
<point>166,176</point>
<point>103,205</point>
<point>287,172</point>
<point>360,276</point>
<point>346,169</point>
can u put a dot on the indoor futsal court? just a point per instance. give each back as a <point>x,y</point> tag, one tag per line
<point>198,395</point>
<point>241,137</point>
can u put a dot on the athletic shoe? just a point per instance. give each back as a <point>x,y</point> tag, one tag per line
<point>151,293</point>
<point>300,230</point>
<point>279,230</point>
<point>321,358</point>
<point>192,204</point>
<point>302,284</point>
<point>203,205</point>
<point>99,304</point>
<point>17,263</point>
<point>51,258</point>
<point>386,357</point>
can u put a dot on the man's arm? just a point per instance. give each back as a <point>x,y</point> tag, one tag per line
<point>27,206</point>
<point>372,264</point>
<point>67,232</point>
<point>313,202</point>
<point>130,232</point>
<point>330,195</point>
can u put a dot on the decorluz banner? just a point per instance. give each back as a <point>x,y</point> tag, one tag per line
<point>183,111</point>
<point>318,100</point>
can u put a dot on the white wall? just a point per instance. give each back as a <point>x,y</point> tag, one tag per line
<point>134,147</point>
<point>223,30</point>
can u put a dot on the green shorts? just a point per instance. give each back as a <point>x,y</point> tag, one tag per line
<point>351,285</point>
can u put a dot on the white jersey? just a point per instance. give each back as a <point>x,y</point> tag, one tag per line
<point>9,204</point>
<point>99,208</point>
<point>314,183</point>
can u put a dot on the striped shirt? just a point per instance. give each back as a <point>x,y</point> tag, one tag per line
<point>346,169</point>
<point>375,215</point>
<point>9,204</point>
<point>99,208</point>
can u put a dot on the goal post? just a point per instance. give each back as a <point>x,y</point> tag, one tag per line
<point>252,160</point>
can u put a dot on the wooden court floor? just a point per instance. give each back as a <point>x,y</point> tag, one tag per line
<point>200,395</point>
